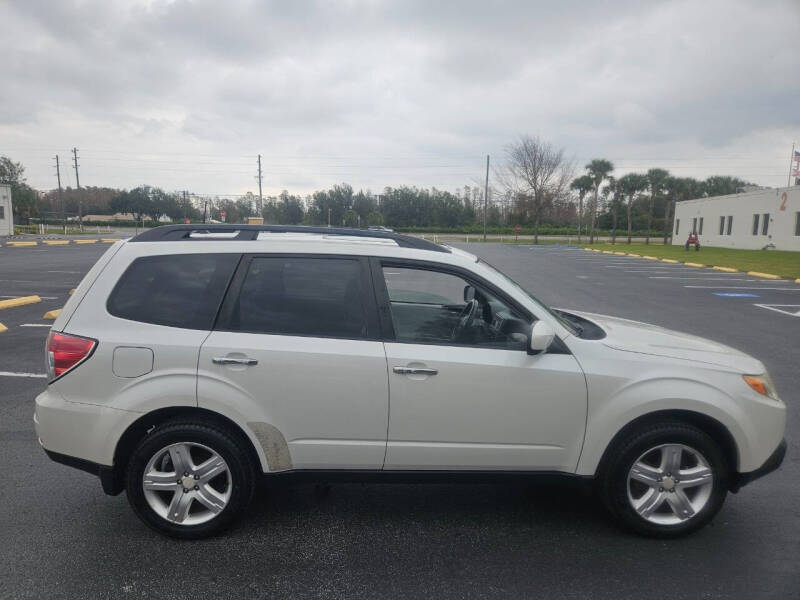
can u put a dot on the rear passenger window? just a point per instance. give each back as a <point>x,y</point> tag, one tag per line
<point>320,297</point>
<point>178,290</point>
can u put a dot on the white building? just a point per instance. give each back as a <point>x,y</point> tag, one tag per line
<point>6,215</point>
<point>750,220</point>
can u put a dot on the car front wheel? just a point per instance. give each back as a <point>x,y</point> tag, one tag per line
<point>664,480</point>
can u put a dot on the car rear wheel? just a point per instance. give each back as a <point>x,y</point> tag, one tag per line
<point>189,480</point>
<point>664,480</point>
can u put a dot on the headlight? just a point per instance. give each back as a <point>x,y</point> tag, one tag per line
<point>762,384</point>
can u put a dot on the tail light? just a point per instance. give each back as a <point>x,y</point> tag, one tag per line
<point>65,352</point>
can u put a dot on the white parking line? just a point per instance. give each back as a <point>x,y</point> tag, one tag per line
<point>42,297</point>
<point>70,272</point>
<point>742,287</point>
<point>793,310</point>
<point>702,278</point>
<point>10,374</point>
<point>36,325</point>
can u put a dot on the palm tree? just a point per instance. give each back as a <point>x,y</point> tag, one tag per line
<point>612,190</point>
<point>583,185</point>
<point>598,170</point>
<point>629,186</point>
<point>656,179</point>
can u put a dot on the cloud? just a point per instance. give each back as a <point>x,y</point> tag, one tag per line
<point>184,94</point>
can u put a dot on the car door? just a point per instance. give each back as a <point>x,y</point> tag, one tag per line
<point>468,395</point>
<point>296,354</point>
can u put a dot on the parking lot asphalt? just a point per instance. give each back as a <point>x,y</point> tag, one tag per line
<point>63,538</point>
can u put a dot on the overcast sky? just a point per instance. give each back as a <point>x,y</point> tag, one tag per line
<point>184,95</point>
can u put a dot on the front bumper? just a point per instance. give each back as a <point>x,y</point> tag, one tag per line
<point>773,462</point>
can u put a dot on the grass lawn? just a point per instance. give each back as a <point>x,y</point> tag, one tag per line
<point>778,262</point>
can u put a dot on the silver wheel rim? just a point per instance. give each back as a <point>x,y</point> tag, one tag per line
<point>669,484</point>
<point>187,483</point>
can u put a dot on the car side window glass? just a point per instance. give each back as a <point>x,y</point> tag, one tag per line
<point>177,290</point>
<point>435,307</point>
<point>301,296</point>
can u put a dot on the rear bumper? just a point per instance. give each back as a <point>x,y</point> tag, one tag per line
<point>772,463</point>
<point>112,485</point>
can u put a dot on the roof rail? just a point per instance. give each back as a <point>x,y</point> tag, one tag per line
<point>175,233</point>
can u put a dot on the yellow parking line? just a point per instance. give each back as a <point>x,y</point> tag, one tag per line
<point>85,241</point>
<point>3,328</point>
<point>21,244</point>
<point>52,314</point>
<point>21,301</point>
<point>56,242</point>
<point>72,291</point>
<point>110,240</point>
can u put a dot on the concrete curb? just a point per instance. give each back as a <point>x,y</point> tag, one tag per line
<point>763,275</point>
<point>21,301</point>
<point>619,253</point>
<point>3,328</point>
<point>110,240</point>
<point>690,264</point>
<point>650,257</point>
<point>634,255</point>
<point>670,260</point>
<point>55,242</point>
<point>52,314</point>
<point>72,291</point>
<point>797,280</point>
<point>86,241</point>
<point>726,269</point>
<point>21,244</point>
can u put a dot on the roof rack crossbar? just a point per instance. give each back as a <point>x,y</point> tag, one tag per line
<point>175,233</point>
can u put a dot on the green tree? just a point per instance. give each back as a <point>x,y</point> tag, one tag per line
<point>655,179</point>
<point>599,170</point>
<point>630,186</point>
<point>582,185</point>
<point>24,198</point>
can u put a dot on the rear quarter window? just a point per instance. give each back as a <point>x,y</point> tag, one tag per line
<point>178,290</point>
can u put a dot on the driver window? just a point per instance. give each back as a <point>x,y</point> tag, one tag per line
<point>434,307</point>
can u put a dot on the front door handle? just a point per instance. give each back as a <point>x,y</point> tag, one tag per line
<point>230,360</point>
<point>414,371</point>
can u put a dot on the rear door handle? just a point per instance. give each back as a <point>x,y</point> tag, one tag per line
<point>229,360</point>
<point>414,371</point>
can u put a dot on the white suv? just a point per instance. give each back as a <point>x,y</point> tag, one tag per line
<point>190,361</point>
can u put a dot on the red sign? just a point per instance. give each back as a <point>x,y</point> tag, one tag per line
<point>187,221</point>
<point>517,228</point>
<point>223,214</point>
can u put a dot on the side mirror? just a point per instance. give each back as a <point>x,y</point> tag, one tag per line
<point>469,293</point>
<point>542,335</point>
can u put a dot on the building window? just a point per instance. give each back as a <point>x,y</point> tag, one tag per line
<point>797,223</point>
<point>730,224</point>
<point>755,224</point>
<point>764,224</point>
<point>678,226</point>
<point>694,225</point>
<point>2,213</point>
<point>700,230</point>
<point>722,225</point>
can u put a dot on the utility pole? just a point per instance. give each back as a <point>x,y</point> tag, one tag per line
<point>329,217</point>
<point>78,185</point>
<point>205,206</point>
<point>260,197</point>
<point>485,197</point>
<point>61,195</point>
<point>791,164</point>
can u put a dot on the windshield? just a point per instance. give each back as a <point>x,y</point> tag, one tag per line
<point>571,327</point>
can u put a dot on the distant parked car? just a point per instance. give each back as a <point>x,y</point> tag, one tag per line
<point>193,359</point>
<point>379,228</point>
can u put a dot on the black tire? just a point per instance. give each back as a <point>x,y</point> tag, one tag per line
<point>241,468</point>
<point>612,481</point>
